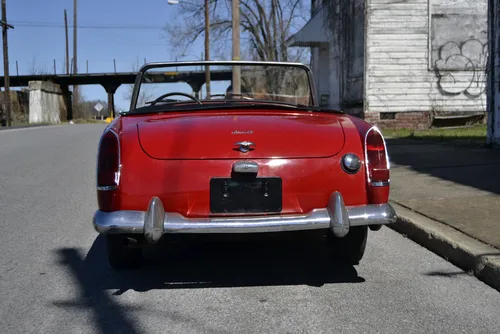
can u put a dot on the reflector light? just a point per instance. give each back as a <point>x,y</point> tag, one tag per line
<point>351,163</point>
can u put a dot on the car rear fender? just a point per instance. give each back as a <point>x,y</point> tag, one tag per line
<point>372,144</point>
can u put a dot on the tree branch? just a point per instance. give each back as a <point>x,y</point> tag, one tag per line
<point>266,26</point>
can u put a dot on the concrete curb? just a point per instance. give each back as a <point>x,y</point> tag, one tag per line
<point>465,252</point>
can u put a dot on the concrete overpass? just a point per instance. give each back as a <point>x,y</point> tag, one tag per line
<point>110,82</point>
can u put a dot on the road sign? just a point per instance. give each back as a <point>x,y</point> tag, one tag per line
<point>98,107</point>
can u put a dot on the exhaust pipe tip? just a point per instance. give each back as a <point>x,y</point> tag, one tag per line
<point>130,242</point>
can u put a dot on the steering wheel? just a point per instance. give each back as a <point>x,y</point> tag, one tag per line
<point>159,99</point>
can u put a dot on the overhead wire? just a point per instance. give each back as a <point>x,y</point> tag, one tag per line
<point>40,24</point>
<point>110,37</point>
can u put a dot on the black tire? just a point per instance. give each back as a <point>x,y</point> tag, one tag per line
<point>351,248</point>
<point>119,255</point>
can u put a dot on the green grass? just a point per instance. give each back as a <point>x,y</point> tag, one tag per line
<point>473,135</point>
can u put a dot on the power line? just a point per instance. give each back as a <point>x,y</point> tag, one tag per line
<point>35,24</point>
<point>41,24</point>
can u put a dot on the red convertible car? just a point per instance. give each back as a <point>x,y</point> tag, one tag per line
<point>251,152</point>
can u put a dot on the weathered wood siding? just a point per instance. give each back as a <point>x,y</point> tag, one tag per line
<point>426,56</point>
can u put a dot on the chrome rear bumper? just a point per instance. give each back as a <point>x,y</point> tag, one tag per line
<point>155,222</point>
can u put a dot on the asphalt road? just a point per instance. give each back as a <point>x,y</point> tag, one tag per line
<point>54,276</point>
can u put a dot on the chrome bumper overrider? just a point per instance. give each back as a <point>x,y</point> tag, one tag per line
<point>155,222</point>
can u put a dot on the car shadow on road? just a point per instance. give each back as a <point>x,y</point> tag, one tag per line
<point>193,264</point>
<point>215,263</point>
<point>469,166</point>
<point>107,314</point>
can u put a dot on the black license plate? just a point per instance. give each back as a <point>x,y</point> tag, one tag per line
<point>252,195</point>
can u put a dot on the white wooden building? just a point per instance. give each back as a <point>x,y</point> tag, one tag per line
<point>408,63</point>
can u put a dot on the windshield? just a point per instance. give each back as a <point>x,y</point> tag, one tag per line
<point>177,85</point>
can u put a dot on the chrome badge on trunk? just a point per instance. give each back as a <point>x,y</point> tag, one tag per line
<point>244,146</point>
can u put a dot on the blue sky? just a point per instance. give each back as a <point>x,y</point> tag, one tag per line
<point>33,42</point>
<point>39,37</point>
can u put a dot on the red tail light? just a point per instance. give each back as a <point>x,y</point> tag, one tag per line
<point>376,158</point>
<point>108,163</point>
<point>108,171</point>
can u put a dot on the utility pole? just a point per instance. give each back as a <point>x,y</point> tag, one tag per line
<point>207,42</point>
<point>207,49</point>
<point>236,46</point>
<point>5,27</point>
<point>67,42</point>
<point>493,96</point>
<point>75,61</point>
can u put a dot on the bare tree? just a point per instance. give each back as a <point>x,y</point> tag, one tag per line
<point>145,94</point>
<point>265,26</point>
<point>34,69</point>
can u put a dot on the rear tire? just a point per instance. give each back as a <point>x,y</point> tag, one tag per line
<point>119,255</point>
<point>351,248</point>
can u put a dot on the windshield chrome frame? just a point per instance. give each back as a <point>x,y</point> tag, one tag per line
<point>144,68</point>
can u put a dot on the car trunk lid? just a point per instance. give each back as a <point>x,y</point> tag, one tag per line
<point>214,136</point>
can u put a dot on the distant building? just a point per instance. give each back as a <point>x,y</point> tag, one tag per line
<point>405,63</point>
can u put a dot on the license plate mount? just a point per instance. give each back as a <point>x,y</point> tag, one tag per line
<point>246,195</point>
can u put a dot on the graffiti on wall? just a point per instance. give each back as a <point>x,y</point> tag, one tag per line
<point>459,53</point>
<point>460,68</point>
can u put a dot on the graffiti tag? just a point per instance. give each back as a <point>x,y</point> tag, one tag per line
<point>460,68</point>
